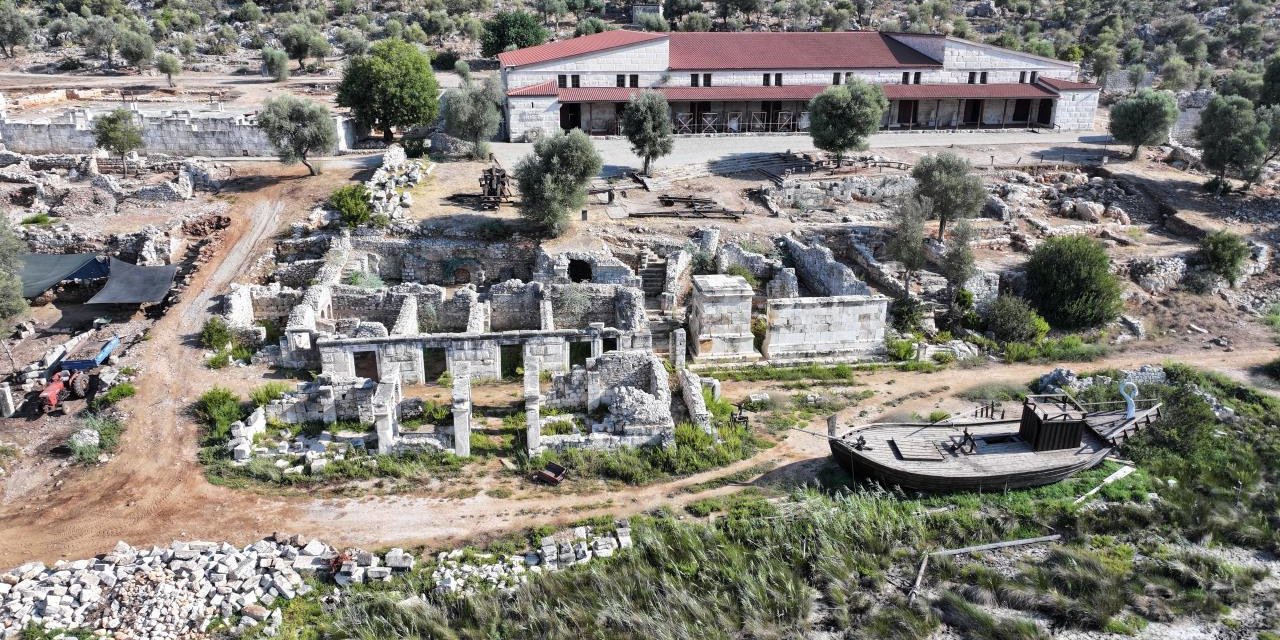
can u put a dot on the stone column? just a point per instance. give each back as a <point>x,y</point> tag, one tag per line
<point>532,408</point>
<point>595,330</point>
<point>462,415</point>
<point>678,347</point>
<point>7,408</point>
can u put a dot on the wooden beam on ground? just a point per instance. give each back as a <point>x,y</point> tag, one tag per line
<point>1120,473</point>
<point>996,545</point>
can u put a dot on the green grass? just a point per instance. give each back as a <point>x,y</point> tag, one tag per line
<point>1272,317</point>
<point>38,219</point>
<point>114,395</point>
<point>264,394</point>
<point>1064,349</point>
<point>840,373</point>
<point>994,391</point>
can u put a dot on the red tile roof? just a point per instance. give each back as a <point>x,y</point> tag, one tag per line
<point>576,47</point>
<point>792,50</point>
<point>1067,85</point>
<point>805,92</point>
<point>547,88</point>
<point>944,91</point>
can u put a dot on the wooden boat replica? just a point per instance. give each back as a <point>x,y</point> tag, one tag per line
<point>1053,438</point>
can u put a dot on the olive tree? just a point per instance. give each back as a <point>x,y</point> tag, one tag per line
<point>646,122</point>
<point>275,63</point>
<point>1143,118</point>
<point>15,28</point>
<point>118,133</point>
<point>11,249</point>
<point>169,65</point>
<point>553,179</point>
<point>471,111</point>
<point>1232,138</point>
<point>907,242</point>
<point>297,127</point>
<point>841,118</point>
<point>302,41</point>
<point>949,182</point>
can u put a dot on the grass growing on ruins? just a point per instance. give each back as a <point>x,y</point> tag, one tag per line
<point>264,394</point>
<point>839,559</point>
<point>114,395</point>
<point>38,219</point>
<point>840,373</point>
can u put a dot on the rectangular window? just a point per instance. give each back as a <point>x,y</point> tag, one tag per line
<point>906,77</point>
<point>706,79</point>
<point>635,80</point>
<point>766,79</point>
<point>693,79</point>
<point>917,78</point>
<point>1034,76</point>
<point>777,79</point>
<point>1022,76</point>
<point>848,75</point>
<point>973,77</point>
<point>622,80</point>
<point>835,78</point>
<point>577,81</point>
<point>562,81</point>
<point>983,79</point>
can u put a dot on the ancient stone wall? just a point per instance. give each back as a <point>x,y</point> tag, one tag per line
<point>720,318</point>
<point>820,272</point>
<point>830,327</point>
<point>448,261</point>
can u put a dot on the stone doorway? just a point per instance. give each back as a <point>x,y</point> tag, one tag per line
<point>511,360</point>
<point>579,271</point>
<point>366,364</point>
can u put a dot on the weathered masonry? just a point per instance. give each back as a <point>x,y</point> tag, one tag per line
<point>732,83</point>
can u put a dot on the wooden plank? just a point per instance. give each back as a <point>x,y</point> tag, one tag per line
<point>917,449</point>
<point>997,545</point>
<point>1120,473</point>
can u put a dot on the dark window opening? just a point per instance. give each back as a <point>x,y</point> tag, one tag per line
<point>766,79</point>
<point>777,79</point>
<point>366,364</point>
<point>635,80</point>
<point>579,271</point>
<point>1022,76</point>
<point>511,360</point>
<point>578,354</point>
<point>693,79</point>
<point>1021,110</point>
<point>835,78</point>
<point>706,79</point>
<point>917,77</point>
<point>576,81</point>
<point>610,344</point>
<point>622,80</point>
<point>983,78</point>
<point>562,81</point>
<point>906,77</point>
<point>1034,75</point>
<point>973,77</point>
<point>434,364</point>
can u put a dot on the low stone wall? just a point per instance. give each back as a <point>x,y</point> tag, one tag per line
<point>830,327</point>
<point>819,271</point>
<point>694,402</point>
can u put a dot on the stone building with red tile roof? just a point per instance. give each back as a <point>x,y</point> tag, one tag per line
<point>752,82</point>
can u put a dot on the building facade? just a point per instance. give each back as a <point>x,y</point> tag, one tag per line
<point>727,83</point>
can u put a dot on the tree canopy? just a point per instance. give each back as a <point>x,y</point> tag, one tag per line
<point>11,249</point>
<point>169,65</point>
<point>511,30</point>
<point>1143,118</point>
<point>1232,138</point>
<point>646,122</point>
<point>842,117</point>
<point>1069,281</point>
<point>907,242</point>
<point>118,133</point>
<point>15,28</point>
<point>393,86</point>
<point>471,111</point>
<point>276,64</point>
<point>298,127</point>
<point>302,41</point>
<point>948,181</point>
<point>554,177</point>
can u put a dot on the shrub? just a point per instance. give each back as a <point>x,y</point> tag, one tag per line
<point>906,314</point>
<point>445,60</point>
<point>1224,253</point>
<point>364,279</point>
<point>352,204</point>
<point>1069,281</point>
<point>745,273</point>
<point>217,409</point>
<point>39,218</point>
<point>1217,185</point>
<point>115,394</point>
<point>219,360</point>
<point>267,392</point>
<point>901,349</point>
<point>216,334</point>
<point>1011,319</point>
<point>938,415</point>
<point>944,357</point>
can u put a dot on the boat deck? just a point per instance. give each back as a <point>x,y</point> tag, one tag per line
<point>998,450</point>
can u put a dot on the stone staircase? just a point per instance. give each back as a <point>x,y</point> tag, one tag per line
<point>653,277</point>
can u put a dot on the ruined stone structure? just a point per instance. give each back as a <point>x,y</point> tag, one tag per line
<point>828,327</point>
<point>720,318</point>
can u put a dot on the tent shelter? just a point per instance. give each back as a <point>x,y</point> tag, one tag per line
<point>42,271</point>
<point>131,284</point>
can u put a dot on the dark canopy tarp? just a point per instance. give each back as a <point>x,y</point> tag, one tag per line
<point>41,271</point>
<point>130,284</point>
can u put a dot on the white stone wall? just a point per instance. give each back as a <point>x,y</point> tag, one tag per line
<point>202,137</point>
<point>1075,110</point>
<point>830,327</point>
<point>961,55</point>
<point>528,114</point>
<point>720,319</point>
<point>649,59</point>
<point>799,76</point>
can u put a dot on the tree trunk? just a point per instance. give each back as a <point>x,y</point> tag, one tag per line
<point>124,166</point>
<point>388,134</point>
<point>646,165</point>
<point>1134,155</point>
<point>942,226</point>
<point>310,169</point>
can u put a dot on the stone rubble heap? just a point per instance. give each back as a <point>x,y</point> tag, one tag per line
<point>460,573</point>
<point>396,173</point>
<point>1063,380</point>
<point>292,454</point>
<point>812,194</point>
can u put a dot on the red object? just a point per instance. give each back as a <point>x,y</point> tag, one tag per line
<point>552,474</point>
<point>593,43</point>
<point>778,50</point>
